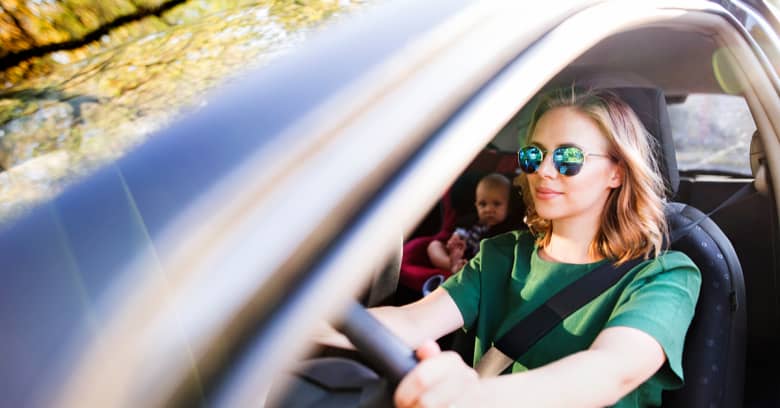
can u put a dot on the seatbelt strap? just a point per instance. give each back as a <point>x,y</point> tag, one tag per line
<point>745,191</point>
<point>536,325</point>
<point>515,342</point>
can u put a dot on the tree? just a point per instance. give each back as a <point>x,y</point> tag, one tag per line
<point>71,109</point>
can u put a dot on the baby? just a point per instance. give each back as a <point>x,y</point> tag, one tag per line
<point>492,204</point>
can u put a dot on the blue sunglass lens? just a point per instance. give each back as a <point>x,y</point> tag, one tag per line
<point>568,160</point>
<point>530,158</point>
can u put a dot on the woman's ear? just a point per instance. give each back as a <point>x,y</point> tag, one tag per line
<point>616,176</point>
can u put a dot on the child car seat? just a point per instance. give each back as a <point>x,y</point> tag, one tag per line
<point>457,202</point>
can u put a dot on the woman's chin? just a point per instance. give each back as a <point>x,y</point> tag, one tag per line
<point>547,213</point>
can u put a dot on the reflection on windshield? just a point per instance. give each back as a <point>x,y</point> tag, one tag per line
<point>68,110</point>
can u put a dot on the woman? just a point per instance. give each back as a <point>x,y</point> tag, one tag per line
<point>593,195</point>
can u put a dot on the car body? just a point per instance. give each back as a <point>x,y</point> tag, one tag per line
<point>196,268</point>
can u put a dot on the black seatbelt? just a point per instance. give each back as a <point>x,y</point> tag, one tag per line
<point>745,191</point>
<point>524,334</point>
<point>515,342</point>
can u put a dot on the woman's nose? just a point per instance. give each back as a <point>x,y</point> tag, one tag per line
<point>546,168</point>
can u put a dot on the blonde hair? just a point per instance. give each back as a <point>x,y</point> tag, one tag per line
<point>632,223</point>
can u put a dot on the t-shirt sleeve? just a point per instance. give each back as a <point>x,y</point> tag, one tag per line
<point>464,288</point>
<point>661,301</point>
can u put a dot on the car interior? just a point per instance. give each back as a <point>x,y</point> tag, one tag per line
<point>732,341</point>
<point>725,218</point>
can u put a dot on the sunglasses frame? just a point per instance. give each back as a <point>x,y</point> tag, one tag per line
<point>558,165</point>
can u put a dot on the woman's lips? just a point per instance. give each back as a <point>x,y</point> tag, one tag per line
<point>546,193</point>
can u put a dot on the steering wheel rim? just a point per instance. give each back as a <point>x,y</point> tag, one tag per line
<point>377,344</point>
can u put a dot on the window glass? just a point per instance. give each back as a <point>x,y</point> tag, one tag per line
<point>712,133</point>
<point>79,92</point>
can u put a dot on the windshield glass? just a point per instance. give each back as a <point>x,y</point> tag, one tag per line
<point>82,83</point>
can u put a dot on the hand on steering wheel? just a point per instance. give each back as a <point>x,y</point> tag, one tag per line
<point>441,379</point>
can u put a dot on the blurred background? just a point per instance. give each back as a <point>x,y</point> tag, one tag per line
<point>84,81</point>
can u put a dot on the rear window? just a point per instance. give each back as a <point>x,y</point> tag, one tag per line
<point>712,134</point>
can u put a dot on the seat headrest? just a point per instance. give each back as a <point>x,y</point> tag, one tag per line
<point>650,105</point>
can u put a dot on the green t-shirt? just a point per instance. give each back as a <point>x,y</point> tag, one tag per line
<point>497,288</point>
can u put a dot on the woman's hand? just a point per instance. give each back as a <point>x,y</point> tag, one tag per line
<point>441,379</point>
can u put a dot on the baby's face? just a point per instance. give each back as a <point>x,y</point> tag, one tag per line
<point>492,204</point>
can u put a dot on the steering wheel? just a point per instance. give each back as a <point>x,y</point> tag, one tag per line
<point>381,348</point>
<point>322,381</point>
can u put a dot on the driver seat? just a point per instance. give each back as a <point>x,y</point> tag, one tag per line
<point>714,353</point>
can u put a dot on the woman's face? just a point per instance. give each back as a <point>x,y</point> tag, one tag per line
<point>582,196</point>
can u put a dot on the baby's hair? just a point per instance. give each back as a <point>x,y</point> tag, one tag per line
<point>496,181</point>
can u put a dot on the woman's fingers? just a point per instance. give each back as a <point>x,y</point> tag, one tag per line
<point>428,349</point>
<point>421,378</point>
<point>458,385</point>
<point>438,380</point>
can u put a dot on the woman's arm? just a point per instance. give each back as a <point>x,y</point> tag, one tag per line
<point>620,359</point>
<point>428,318</point>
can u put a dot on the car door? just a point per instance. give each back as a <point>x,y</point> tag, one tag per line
<point>148,276</point>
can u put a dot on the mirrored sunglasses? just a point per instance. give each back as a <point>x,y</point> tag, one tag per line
<point>568,160</point>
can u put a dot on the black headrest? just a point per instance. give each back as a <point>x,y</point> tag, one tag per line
<point>650,105</point>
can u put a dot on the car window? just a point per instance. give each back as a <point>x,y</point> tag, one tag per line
<point>70,104</point>
<point>712,133</point>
